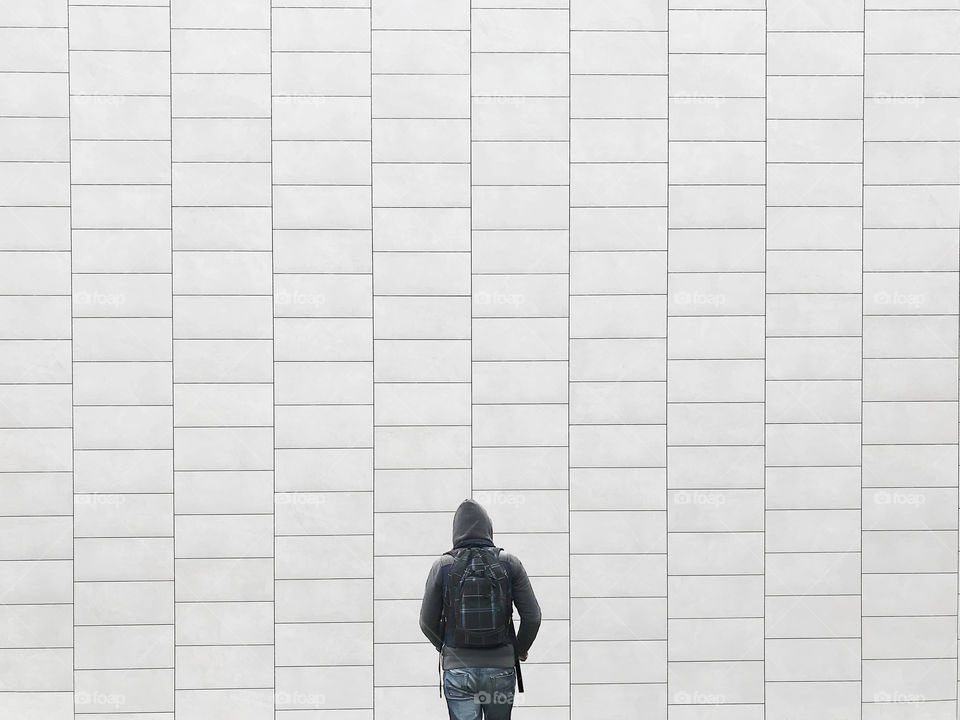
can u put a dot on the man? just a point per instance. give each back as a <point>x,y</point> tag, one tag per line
<point>478,662</point>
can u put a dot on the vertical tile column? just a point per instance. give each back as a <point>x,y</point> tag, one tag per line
<point>814,173</point>
<point>910,304</point>
<point>36,499</point>
<point>715,359</point>
<point>520,219</point>
<point>223,398</point>
<point>324,353</point>
<point>421,221</point>
<point>123,424</point>
<point>618,284</point>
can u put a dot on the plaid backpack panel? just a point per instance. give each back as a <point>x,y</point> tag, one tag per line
<point>477,599</point>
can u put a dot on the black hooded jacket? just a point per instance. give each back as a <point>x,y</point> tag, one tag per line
<point>472,526</point>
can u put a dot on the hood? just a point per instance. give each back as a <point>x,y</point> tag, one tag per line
<point>471,522</point>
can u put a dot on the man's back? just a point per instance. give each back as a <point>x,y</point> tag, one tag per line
<point>523,597</point>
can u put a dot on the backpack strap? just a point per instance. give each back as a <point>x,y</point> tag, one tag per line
<point>444,575</point>
<point>516,657</point>
<point>513,630</point>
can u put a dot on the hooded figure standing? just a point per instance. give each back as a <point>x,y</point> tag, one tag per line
<point>467,614</point>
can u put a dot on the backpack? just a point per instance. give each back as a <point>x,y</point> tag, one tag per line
<point>477,603</point>
<point>477,599</point>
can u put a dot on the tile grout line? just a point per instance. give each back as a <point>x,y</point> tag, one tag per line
<point>373,399</point>
<point>666,396</point>
<point>569,345</point>
<point>863,122</point>
<point>766,173</point>
<point>273,368</point>
<point>73,419</point>
<point>173,382</point>
<point>471,179</point>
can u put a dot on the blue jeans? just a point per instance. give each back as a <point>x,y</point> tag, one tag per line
<point>475,693</point>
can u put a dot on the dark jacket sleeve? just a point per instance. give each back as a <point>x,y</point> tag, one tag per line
<point>527,606</point>
<point>432,606</point>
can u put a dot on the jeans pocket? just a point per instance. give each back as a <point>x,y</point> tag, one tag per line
<point>458,682</point>
<point>456,675</point>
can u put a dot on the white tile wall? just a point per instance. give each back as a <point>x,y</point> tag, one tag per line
<point>909,406</point>
<point>671,286</point>
<point>816,649</point>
